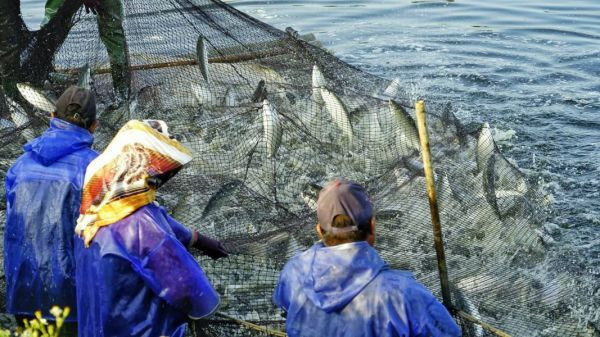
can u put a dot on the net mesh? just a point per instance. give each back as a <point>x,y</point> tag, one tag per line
<point>263,150</point>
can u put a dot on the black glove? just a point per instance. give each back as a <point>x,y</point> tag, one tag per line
<point>92,5</point>
<point>211,247</point>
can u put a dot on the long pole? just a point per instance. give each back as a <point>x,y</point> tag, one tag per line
<point>433,206</point>
<point>190,62</point>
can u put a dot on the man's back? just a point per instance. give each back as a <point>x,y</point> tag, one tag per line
<point>347,290</point>
<point>43,193</point>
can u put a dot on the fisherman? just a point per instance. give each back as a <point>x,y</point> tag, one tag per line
<point>341,287</point>
<point>135,276</point>
<point>14,36</point>
<point>43,196</point>
<point>110,26</point>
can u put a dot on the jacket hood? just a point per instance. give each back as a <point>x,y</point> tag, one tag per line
<point>61,139</point>
<point>337,274</point>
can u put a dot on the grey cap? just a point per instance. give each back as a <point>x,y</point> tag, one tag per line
<point>77,105</point>
<point>343,197</point>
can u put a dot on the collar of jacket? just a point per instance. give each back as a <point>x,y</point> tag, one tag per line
<point>60,139</point>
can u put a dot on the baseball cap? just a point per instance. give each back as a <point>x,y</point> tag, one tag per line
<point>77,105</point>
<point>343,197</point>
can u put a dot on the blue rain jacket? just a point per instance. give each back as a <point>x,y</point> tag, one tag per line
<point>43,196</point>
<point>348,290</point>
<point>138,279</point>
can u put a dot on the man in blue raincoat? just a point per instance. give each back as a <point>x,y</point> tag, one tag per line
<point>43,195</point>
<point>135,276</point>
<point>341,287</point>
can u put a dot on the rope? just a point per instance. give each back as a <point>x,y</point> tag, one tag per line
<point>253,326</point>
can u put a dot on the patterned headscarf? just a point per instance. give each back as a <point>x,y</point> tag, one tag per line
<point>120,180</point>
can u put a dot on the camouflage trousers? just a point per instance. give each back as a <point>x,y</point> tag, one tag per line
<point>110,28</point>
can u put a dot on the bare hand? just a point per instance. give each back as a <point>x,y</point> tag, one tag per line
<point>93,6</point>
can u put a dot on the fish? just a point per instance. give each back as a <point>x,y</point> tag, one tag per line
<point>466,305</point>
<point>414,165</point>
<point>501,179</point>
<point>293,247</point>
<point>36,98</point>
<point>224,192</point>
<point>338,112</point>
<point>202,56</point>
<point>489,186</point>
<point>6,126</point>
<point>21,120</point>
<point>260,93</point>
<point>203,94</point>
<point>231,97</point>
<point>318,82</point>
<point>374,130</point>
<point>272,131</point>
<point>450,120</point>
<point>310,195</point>
<point>85,77</point>
<point>393,88</point>
<point>485,147</point>
<point>407,134</point>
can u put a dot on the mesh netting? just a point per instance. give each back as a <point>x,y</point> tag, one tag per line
<point>260,157</point>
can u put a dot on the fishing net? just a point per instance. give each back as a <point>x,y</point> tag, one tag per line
<point>275,118</point>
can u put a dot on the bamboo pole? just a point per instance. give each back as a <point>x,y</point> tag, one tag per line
<point>484,325</point>
<point>253,326</point>
<point>180,63</point>
<point>437,227</point>
<point>433,206</point>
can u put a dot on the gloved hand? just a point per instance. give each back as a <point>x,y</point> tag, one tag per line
<point>93,6</point>
<point>211,247</point>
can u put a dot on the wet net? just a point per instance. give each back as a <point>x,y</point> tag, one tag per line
<point>270,117</point>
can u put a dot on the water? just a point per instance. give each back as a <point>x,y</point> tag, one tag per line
<point>532,67</point>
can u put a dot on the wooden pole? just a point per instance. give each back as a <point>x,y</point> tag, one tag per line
<point>253,326</point>
<point>433,206</point>
<point>180,63</point>
<point>484,325</point>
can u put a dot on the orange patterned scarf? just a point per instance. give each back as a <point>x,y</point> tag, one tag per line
<point>116,182</point>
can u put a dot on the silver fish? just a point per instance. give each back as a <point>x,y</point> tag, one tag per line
<point>216,200</point>
<point>337,111</point>
<point>231,97</point>
<point>21,120</point>
<point>293,247</point>
<point>6,126</point>
<point>485,147</point>
<point>501,179</point>
<point>36,97</point>
<point>272,131</point>
<point>464,303</point>
<point>318,82</point>
<point>407,134</point>
<point>393,88</point>
<point>489,186</point>
<point>202,56</point>
<point>85,77</point>
<point>203,94</point>
<point>310,195</point>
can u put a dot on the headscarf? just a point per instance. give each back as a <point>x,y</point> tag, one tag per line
<point>123,178</point>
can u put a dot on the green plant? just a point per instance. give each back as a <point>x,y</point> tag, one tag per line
<point>39,326</point>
